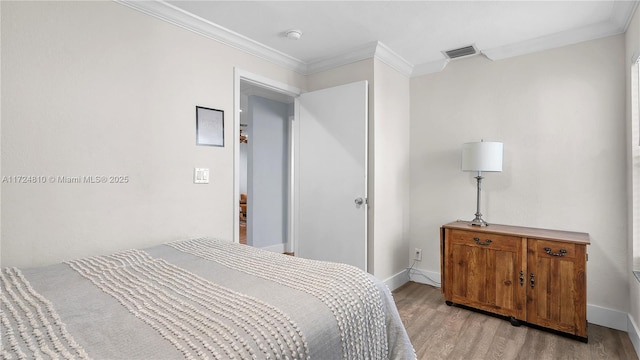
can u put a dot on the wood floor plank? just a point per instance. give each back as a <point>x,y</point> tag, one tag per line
<point>438,331</point>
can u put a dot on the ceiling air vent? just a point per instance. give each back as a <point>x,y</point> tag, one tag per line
<point>461,52</point>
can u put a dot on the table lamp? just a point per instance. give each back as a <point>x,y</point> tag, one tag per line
<point>481,156</point>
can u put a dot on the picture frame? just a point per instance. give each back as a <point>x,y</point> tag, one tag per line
<point>209,126</point>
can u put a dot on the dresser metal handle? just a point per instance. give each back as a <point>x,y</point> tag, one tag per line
<point>532,280</point>
<point>562,252</point>
<point>521,278</point>
<point>486,242</point>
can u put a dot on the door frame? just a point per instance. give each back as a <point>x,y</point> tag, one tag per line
<point>264,82</point>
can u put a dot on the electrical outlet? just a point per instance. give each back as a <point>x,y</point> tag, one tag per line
<point>417,254</point>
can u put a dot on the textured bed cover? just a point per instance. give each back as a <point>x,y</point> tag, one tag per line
<point>200,298</point>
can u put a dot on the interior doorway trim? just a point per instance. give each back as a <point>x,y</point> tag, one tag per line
<point>258,80</point>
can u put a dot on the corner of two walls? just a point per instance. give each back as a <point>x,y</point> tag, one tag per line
<point>391,174</point>
<point>632,47</point>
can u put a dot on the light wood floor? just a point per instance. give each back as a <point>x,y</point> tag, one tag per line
<point>438,331</point>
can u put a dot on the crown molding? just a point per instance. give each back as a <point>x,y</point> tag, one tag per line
<point>430,67</point>
<point>169,13</point>
<point>375,49</point>
<point>618,23</point>
<point>391,58</point>
<point>176,16</point>
<point>557,40</point>
<point>364,52</point>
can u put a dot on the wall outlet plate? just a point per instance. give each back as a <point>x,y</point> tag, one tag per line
<point>417,254</point>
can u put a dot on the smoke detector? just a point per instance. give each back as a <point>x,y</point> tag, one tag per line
<point>464,51</point>
<point>293,34</point>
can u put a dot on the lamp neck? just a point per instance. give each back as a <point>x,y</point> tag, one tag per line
<point>478,219</point>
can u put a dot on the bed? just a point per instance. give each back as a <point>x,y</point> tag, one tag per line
<point>198,299</point>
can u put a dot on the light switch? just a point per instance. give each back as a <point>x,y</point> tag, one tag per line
<point>200,175</point>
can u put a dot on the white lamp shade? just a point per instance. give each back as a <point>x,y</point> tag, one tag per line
<point>482,156</point>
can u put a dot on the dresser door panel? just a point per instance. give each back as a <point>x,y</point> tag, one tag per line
<point>557,284</point>
<point>484,270</point>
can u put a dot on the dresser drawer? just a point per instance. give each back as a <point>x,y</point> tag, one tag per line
<point>555,248</point>
<point>485,240</point>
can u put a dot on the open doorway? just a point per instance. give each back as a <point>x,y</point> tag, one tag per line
<point>326,216</point>
<point>265,141</point>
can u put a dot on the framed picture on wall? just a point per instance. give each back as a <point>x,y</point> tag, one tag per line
<point>209,126</point>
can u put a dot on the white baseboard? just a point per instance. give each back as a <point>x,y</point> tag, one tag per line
<point>397,280</point>
<point>417,275</point>
<point>634,334</point>
<point>425,277</point>
<point>277,248</point>
<point>610,318</point>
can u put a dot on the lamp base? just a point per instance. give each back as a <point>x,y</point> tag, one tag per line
<point>479,221</point>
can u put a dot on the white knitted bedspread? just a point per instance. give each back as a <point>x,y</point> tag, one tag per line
<point>350,294</point>
<point>198,299</point>
<point>31,328</point>
<point>201,319</point>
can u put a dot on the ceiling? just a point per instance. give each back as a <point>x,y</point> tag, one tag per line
<point>408,35</point>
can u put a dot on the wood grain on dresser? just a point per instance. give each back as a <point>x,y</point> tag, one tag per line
<point>533,275</point>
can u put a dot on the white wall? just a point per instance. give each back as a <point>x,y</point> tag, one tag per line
<point>267,172</point>
<point>632,38</point>
<point>391,172</point>
<point>560,114</point>
<point>96,88</point>
<point>1,173</point>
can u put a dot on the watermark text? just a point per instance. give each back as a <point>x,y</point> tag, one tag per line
<point>62,179</point>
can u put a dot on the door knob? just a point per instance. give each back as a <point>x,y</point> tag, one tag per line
<point>359,201</point>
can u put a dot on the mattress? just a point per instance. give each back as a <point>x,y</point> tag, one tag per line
<point>199,299</point>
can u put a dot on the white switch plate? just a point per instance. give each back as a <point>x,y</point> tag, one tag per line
<point>200,175</point>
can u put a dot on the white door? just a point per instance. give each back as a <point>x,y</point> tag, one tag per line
<point>331,173</point>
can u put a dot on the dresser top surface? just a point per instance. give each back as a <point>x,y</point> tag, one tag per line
<point>559,235</point>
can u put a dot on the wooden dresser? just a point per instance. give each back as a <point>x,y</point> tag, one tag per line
<point>533,275</point>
